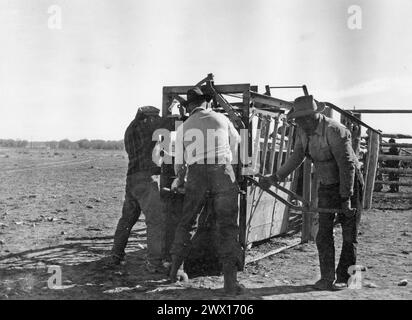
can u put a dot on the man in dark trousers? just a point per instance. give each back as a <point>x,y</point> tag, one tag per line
<point>328,144</point>
<point>209,173</point>
<point>142,191</point>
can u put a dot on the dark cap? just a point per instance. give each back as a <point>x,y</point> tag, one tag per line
<point>147,111</point>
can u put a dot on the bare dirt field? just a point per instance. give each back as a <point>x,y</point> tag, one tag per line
<point>60,208</point>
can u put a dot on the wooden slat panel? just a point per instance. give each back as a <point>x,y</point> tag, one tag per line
<point>271,101</point>
<point>394,157</point>
<point>227,88</point>
<point>268,217</point>
<point>273,146</point>
<point>393,182</point>
<point>400,145</point>
<point>396,135</point>
<point>380,111</point>
<point>265,128</point>
<point>396,170</point>
<point>372,165</point>
<point>398,195</point>
<point>281,147</point>
<point>256,144</point>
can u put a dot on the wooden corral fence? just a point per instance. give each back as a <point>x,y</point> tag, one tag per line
<point>371,146</point>
<point>404,156</point>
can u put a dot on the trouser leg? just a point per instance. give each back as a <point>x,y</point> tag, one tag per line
<point>350,227</point>
<point>326,247</point>
<point>130,214</point>
<point>174,205</point>
<point>328,197</point>
<point>225,203</point>
<point>186,228</point>
<point>226,208</point>
<point>152,206</point>
<point>349,247</point>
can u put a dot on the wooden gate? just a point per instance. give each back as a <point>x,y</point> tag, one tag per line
<point>272,143</point>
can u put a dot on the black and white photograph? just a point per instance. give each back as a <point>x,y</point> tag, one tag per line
<point>218,152</point>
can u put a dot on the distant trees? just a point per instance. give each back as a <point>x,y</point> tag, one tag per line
<point>84,144</point>
<point>91,144</point>
<point>10,143</point>
<point>66,144</point>
<point>52,144</point>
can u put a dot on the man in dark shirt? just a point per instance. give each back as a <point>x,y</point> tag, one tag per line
<point>142,190</point>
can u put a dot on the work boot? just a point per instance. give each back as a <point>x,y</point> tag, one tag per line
<point>176,270</point>
<point>113,261</point>
<point>231,285</point>
<point>324,285</point>
<point>155,268</point>
<point>341,285</point>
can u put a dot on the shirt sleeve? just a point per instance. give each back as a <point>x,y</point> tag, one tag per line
<point>179,159</point>
<point>234,137</point>
<point>340,142</point>
<point>295,159</point>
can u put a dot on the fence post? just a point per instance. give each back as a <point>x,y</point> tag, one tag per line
<point>373,155</point>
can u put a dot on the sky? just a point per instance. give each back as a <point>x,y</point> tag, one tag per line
<point>87,78</point>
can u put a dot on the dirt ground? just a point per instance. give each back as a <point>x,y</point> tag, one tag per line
<point>60,208</point>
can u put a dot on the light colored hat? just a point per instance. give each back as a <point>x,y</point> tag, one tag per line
<point>304,106</point>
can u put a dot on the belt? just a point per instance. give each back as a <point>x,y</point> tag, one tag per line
<point>207,161</point>
<point>329,185</point>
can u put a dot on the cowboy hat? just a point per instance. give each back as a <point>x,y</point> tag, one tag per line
<point>304,106</point>
<point>193,95</point>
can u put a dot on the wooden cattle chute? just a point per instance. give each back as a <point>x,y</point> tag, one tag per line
<point>406,156</point>
<point>269,136</point>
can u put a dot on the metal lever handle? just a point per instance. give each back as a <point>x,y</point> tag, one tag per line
<point>305,207</point>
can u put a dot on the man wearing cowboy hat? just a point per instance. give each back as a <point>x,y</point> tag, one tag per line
<point>209,171</point>
<point>328,144</point>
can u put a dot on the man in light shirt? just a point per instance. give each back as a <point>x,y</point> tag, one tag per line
<point>203,156</point>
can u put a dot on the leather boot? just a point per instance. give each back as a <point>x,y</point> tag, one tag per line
<point>231,286</point>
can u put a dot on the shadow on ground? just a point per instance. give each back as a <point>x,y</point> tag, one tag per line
<point>85,274</point>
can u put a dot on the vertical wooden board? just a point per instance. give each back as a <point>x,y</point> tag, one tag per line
<point>273,146</point>
<point>281,216</point>
<point>366,167</point>
<point>242,182</point>
<point>265,216</point>
<point>372,166</point>
<point>265,128</point>
<point>281,147</point>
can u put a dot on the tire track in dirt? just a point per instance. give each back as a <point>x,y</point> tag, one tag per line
<point>48,165</point>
